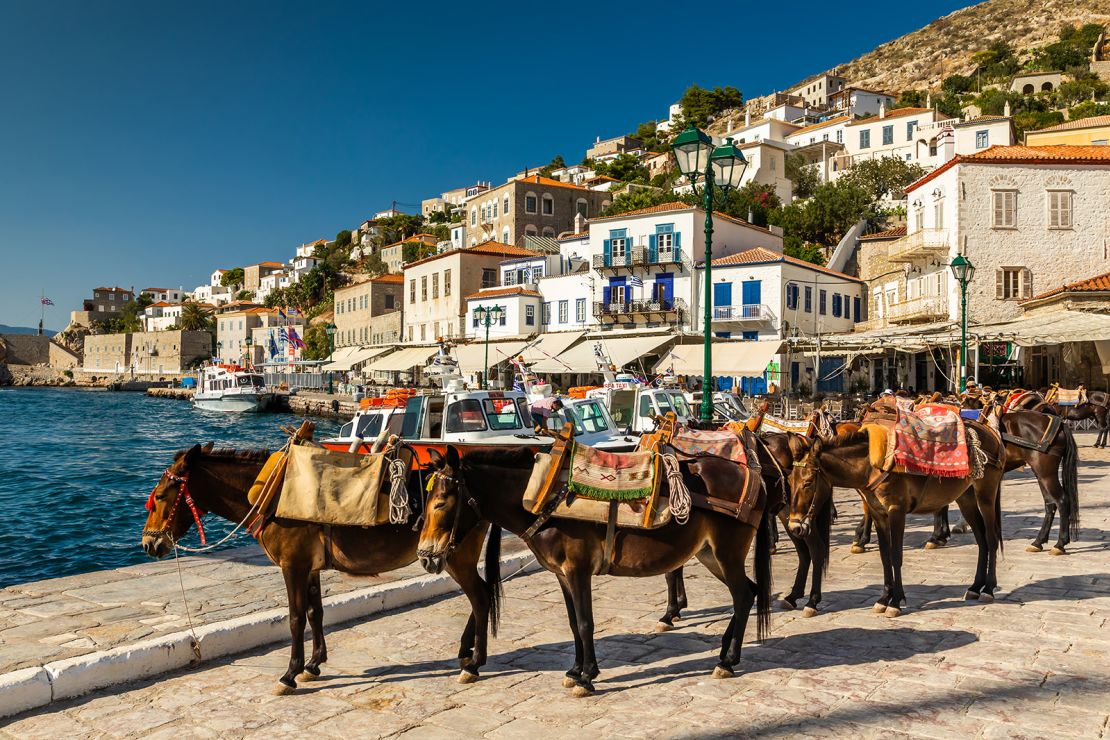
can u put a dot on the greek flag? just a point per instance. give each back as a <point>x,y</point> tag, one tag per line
<point>282,334</point>
<point>636,282</point>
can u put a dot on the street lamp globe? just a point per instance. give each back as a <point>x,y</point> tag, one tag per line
<point>728,165</point>
<point>495,313</point>
<point>330,329</point>
<point>691,152</point>
<point>962,269</point>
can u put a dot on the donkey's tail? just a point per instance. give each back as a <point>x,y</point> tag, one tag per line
<point>1069,474</point>
<point>764,543</point>
<point>493,577</point>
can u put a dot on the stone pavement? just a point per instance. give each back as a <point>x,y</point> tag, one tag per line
<point>48,620</point>
<point>1034,664</point>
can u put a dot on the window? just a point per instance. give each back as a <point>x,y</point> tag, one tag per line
<point>855,309</point>
<point>1013,283</point>
<point>982,139</point>
<point>564,311</point>
<point>836,304</point>
<point>618,248</point>
<point>865,139</point>
<point>475,315</point>
<point>530,230</point>
<point>791,296</point>
<point>465,416</point>
<point>493,210</point>
<point>840,136</point>
<point>888,135</point>
<point>423,330</point>
<point>617,293</point>
<point>546,313</point>
<point>435,285</point>
<point>582,208</point>
<point>530,315</point>
<point>446,283</point>
<point>580,310</point>
<point>822,303</point>
<point>530,203</point>
<point>505,236</point>
<point>809,299</point>
<point>910,126</point>
<point>548,205</point>
<point>1004,209</point>
<point>489,277</point>
<point>505,206</point>
<point>473,216</point>
<point>424,288</point>
<point>1059,209</point>
<point>938,215</point>
<point>502,413</point>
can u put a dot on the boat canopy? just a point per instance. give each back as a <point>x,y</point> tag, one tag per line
<point>549,346</point>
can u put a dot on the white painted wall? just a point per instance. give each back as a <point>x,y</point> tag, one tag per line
<point>515,316</point>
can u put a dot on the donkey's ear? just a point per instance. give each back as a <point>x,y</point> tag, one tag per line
<point>208,447</point>
<point>193,452</point>
<point>453,457</point>
<point>435,457</point>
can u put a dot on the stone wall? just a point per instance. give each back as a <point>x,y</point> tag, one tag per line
<point>26,349</point>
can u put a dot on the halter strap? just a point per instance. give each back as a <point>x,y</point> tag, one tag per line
<point>182,494</point>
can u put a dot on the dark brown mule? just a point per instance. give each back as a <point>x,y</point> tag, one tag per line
<point>490,486</point>
<point>848,461</point>
<point>1053,458</point>
<point>218,482</point>
<point>1097,407</point>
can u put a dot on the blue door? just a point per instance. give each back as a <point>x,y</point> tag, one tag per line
<point>722,300</point>
<point>827,382</point>
<point>752,292</point>
<point>664,289</point>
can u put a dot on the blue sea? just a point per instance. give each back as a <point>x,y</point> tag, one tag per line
<point>76,467</point>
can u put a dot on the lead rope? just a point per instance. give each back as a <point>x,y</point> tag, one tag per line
<point>194,640</point>
<point>680,494</point>
<point>399,508</point>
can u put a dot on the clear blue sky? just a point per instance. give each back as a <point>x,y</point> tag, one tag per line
<point>146,143</point>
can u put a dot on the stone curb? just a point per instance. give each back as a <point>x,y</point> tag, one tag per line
<point>30,688</point>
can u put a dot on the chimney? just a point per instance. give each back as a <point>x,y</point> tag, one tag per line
<point>747,117</point>
<point>1006,109</point>
<point>579,223</point>
<point>928,100</point>
<point>882,110</point>
<point>946,145</point>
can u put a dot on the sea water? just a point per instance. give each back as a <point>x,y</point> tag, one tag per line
<point>77,466</point>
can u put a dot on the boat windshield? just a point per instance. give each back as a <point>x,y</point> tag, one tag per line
<point>465,416</point>
<point>249,381</point>
<point>590,417</point>
<point>369,425</point>
<point>411,427</point>
<point>680,406</point>
<point>502,414</point>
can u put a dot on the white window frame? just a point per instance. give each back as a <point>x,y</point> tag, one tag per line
<point>545,200</point>
<point>613,253</point>
<point>1060,207</point>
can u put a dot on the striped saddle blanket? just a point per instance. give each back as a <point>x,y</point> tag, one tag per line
<point>792,426</point>
<point>1070,397</point>
<point>695,442</point>
<point>611,476</point>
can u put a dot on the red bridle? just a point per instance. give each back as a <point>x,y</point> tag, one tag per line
<point>182,493</point>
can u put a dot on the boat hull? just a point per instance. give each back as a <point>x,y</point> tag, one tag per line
<point>239,403</point>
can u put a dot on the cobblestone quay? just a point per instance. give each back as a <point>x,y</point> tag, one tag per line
<point>1034,664</point>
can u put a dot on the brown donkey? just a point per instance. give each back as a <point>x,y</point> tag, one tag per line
<point>203,480</point>
<point>489,486</point>
<point>851,461</point>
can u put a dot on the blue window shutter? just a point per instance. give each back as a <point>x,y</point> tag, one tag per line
<point>677,239</point>
<point>855,308</point>
<point>652,247</point>
<point>606,294</point>
<point>608,254</point>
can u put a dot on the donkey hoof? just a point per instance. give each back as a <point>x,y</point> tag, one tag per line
<point>932,545</point>
<point>581,692</point>
<point>662,626</point>
<point>971,595</point>
<point>858,549</point>
<point>307,676</point>
<point>284,689</point>
<point>986,598</point>
<point>892,612</point>
<point>1034,548</point>
<point>788,605</point>
<point>809,611</point>
<point>1058,551</point>
<point>722,672</point>
<point>466,676</point>
<point>879,607</point>
<point>569,683</point>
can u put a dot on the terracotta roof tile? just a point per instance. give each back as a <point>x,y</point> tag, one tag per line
<point>485,248</point>
<point>896,113</point>
<point>1096,284</point>
<point>1092,154</point>
<point>760,255</point>
<point>549,182</point>
<point>502,292</point>
<point>392,277</point>
<point>888,234</point>
<point>1091,122</point>
<point>815,126</point>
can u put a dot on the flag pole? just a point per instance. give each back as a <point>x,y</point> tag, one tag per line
<point>42,308</point>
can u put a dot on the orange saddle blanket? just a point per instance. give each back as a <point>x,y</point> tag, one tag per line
<point>930,441</point>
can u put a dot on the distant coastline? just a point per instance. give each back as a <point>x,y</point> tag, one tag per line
<point>5,329</point>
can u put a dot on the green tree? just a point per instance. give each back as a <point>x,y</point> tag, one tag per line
<point>232,277</point>
<point>824,218</point>
<point>1072,53</point>
<point>880,176</point>
<point>1088,109</point>
<point>699,104</point>
<point>1081,90</point>
<point>996,62</point>
<point>416,250</point>
<point>654,139</point>
<point>343,239</point>
<point>557,163</point>
<point>958,84</point>
<point>393,229</point>
<point>245,295</point>
<point>803,176</point>
<point>317,344</point>
<point>1035,120</point>
<point>753,202</point>
<point>196,318</point>
<point>625,168</point>
<point>912,99</point>
<point>373,265</point>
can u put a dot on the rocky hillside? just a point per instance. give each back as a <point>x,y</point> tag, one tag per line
<point>923,58</point>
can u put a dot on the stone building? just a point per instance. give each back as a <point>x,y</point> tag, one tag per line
<point>32,349</point>
<point>359,304</point>
<point>530,206</point>
<point>104,304</point>
<point>157,353</point>
<point>107,353</point>
<point>253,274</point>
<point>393,255</point>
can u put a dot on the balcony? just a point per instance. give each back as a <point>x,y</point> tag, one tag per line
<point>921,244</point>
<point>632,309</point>
<point>921,309</point>
<point>664,256</point>
<point>633,257</point>
<point>748,314</point>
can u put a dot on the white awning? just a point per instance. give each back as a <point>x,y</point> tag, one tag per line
<point>621,351</point>
<point>471,357</point>
<point>550,345</point>
<point>735,359</point>
<point>402,360</point>
<point>358,355</point>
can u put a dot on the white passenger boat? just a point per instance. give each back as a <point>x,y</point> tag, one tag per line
<point>230,388</point>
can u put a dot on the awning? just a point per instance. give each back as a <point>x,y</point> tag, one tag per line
<point>550,345</point>
<point>350,359</point>
<point>736,359</point>
<point>621,351</point>
<point>403,360</point>
<point>472,356</point>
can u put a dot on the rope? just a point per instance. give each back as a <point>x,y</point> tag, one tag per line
<point>399,509</point>
<point>214,545</point>
<point>188,616</point>
<point>977,459</point>
<point>680,494</point>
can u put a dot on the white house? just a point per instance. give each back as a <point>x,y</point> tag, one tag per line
<point>855,101</point>
<point>520,312</point>
<point>269,283</point>
<point>767,165</point>
<point>774,129</point>
<point>167,295</point>
<point>216,295</point>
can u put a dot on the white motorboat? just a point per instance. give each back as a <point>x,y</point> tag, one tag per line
<point>231,388</point>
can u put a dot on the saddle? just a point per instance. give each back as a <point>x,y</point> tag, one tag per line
<point>1066,396</point>
<point>931,440</point>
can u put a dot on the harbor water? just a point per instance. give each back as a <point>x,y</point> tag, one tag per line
<point>76,467</point>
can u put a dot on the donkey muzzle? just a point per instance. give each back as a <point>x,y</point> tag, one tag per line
<point>432,562</point>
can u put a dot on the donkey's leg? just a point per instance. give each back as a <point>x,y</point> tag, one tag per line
<point>579,581</point>
<point>729,553</point>
<point>986,497</point>
<point>863,532</point>
<point>575,672</point>
<point>805,559</point>
<point>970,509</point>
<point>316,621</point>
<point>818,549</point>
<point>941,531</point>
<point>1046,525</point>
<point>676,601</point>
<point>884,556</point>
<point>296,587</point>
<point>896,530</point>
<point>472,647</point>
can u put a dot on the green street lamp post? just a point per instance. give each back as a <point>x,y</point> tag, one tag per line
<point>250,355</point>
<point>963,271</point>
<point>487,316</point>
<point>330,329</point>
<point>719,169</point>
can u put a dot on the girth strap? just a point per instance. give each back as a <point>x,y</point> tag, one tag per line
<point>1046,440</point>
<point>610,539</point>
<point>545,514</point>
<point>719,505</point>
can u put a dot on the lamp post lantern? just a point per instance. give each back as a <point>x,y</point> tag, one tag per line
<point>963,271</point>
<point>719,169</point>
<point>487,316</point>
<point>330,329</point>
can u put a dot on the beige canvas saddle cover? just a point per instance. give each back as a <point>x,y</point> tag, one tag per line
<point>339,488</point>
